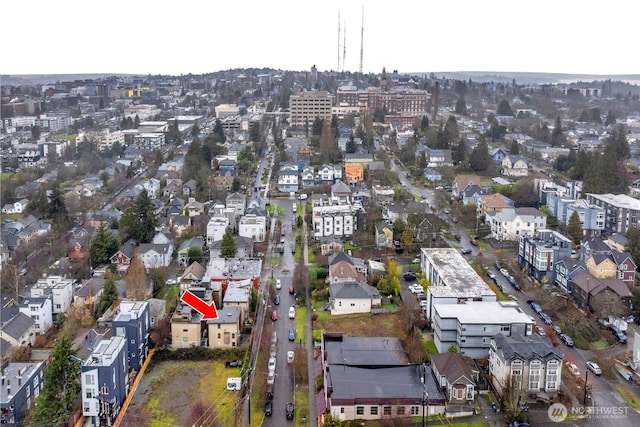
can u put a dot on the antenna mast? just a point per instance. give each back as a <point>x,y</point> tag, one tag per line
<point>338,69</point>
<point>362,40</point>
<point>344,45</point>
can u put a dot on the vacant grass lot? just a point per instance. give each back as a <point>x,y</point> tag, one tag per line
<point>168,392</point>
<point>362,325</point>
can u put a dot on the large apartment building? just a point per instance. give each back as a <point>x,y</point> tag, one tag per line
<point>334,219</point>
<point>306,106</point>
<point>621,211</point>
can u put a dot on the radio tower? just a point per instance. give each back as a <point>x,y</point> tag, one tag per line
<point>362,40</point>
<point>338,69</point>
<point>344,45</point>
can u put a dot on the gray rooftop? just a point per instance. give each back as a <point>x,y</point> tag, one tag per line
<point>526,348</point>
<point>365,351</point>
<point>230,314</point>
<point>18,325</point>
<point>484,312</point>
<point>10,375</point>
<point>456,277</point>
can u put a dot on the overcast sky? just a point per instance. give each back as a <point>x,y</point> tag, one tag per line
<point>200,36</point>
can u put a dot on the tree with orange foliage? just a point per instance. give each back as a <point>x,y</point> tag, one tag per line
<point>136,279</point>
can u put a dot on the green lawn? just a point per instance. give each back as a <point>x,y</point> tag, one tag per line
<point>629,396</point>
<point>301,324</point>
<point>600,344</point>
<point>430,346</point>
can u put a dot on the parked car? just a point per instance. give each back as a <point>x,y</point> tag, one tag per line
<point>409,276</point>
<point>566,339</point>
<point>271,377</point>
<point>618,334</point>
<point>290,356</point>
<point>289,409</point>
<point>556,329</point>
<point>491,275</point>
<point>540,331</point>
<point>268,408</point>
<point>504,272</point>
<point>536,307</point>
<point>416,288</point>
<point>292,312</point>
<point>291,291</point>
<point>274,315</point>
<point>520,424</point>
<point>545,318</point>
<point>593,367</point>
<point>474,242</point>
<point>272,363</point>
<point>466,251</point>
<point>276,300</point>
<point>278,284</point>
<point>233,364</point>
<point>292,334</point>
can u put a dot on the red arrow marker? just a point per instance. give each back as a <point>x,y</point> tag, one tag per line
<point>207,311</point>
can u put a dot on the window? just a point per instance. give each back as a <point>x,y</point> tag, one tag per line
<point>33,308</point>
<point>415,410</point>
<point>552,375</point>
<point>88,379</point>
<point>386,410</point>
<point>534,375</point>
<point>374,410</point>
<point>400,410</point>
<point>342,409</point>
<point>359,410</point>
<point>185,339</point>
<point>505,328</point>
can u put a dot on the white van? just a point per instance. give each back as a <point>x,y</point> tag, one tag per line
<point>234,383</point>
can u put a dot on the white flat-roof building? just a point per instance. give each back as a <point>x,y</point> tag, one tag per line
<point>452,279</point>
<point>470,326</point>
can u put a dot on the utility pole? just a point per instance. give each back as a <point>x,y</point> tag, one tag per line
<point>425,396</point>
<point>586,381</point>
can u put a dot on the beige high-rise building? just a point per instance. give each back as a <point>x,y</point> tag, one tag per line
<point>306,106</point>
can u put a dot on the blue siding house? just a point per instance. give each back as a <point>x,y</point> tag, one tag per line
<point>133,322</point>
<point>104,378</point>
<point>21,385</point>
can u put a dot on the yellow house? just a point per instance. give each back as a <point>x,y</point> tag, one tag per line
<point>354,173</point>
<point>224,332</point>
<point>186,329</point>
<point>602,267</point>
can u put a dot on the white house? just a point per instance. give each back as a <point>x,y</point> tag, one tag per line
<point>237,202</point>
<point>253,226</point>
<point>155,256</point>
<point>334,219</point>
<point>153,187</point>
<point>530,364</point>
<point>353,297</point>
<point>326,173</point>
<point>39,309</point>
<point>15,207</point>
<point>513,223</point>
<point>216,228</point>
<point>515,166</point>
<point>60,290</point>
<point>288,178</point>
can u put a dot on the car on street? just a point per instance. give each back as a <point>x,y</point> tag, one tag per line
<point>289,410</point>
<point>272,363</point>
<point>566,339</point>
<point>540,331</point>
<point>171,282</point>
<point>291,291</point>
<point>416,288</point>
<point>504,272</point>
<point>593,367</point>
<point>274,315</point>
<point>292,334</point>
<point>556,329</point>
<point>491,275</point>
<point>474,242</point>
<point>466,251</point>
<point>546,319</point>
<point>290,356</point>
<point>268,408</point>
<point>271,377</point>
<point>618,334</point>
<point>520,424</point>
<point>409,276</point>
<point>292,312</point>
<point>278,284</point>
<point>536,307</point>
<point>276,300</point>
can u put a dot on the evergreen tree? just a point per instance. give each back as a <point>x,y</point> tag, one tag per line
<point>504,109</point>
<point>103,246</point>
<point>228,248</point>
<point>480,159</point>
<point>138,222</point>
<point>57,211</point>
<point>451,132</point>
<point>461,106</point>
<point>108,297</point>
<point>194,254</point>
<point>633,244</point>
<point>619,140</point>
<point>611,119</point>
<point>574,228</point>
<point>557,137</point>
<point>460,153</point>
<point>424,123</point>
<point>515,148</point>
<point>351,147</point>
<point>59,387</point>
